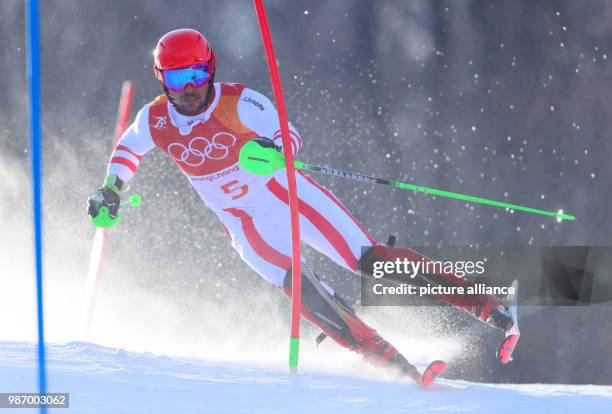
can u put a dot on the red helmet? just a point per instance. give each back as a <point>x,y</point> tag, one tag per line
<point>182,48</point>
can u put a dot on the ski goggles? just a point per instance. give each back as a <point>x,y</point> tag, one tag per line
<point>178,79</point>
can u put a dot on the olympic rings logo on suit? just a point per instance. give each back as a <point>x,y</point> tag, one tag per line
<point>200,148</point>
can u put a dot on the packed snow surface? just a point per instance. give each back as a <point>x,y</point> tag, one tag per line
<point>110,380</point>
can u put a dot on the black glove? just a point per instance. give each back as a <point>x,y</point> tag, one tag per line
<point>106,196</point>
<point>268,143</point>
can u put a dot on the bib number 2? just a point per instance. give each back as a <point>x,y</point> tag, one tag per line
<point>234,189</point>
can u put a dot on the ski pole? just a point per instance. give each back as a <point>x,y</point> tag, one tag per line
<point>134,201</point>
<point>265,161</point>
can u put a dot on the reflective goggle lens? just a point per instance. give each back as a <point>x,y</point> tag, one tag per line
<point>178,79</point>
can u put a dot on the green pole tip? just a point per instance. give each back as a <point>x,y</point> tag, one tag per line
<point>561,216</point>
<point>135,200</point>
<point>259,160</point>
<point>294,350</point>
<point>104,220</point>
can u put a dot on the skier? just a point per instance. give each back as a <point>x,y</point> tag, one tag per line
<point>202,125</point>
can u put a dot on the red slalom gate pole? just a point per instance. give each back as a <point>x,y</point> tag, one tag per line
<point>296,291</point>
<point>99,242</point>
<point>125,107</point>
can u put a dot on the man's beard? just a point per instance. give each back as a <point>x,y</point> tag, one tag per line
<point>194,111</point>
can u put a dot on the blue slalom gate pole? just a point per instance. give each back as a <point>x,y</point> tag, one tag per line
<point>33,75</point>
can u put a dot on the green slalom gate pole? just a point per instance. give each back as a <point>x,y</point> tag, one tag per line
<point>265,161</point>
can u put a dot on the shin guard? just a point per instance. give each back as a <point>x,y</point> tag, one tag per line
<point>338,320</point>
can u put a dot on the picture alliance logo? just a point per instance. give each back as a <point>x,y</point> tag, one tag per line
<point>200,149</point>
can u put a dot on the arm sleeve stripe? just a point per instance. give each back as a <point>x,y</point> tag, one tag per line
<point>297,138</point>
<point>297,141</point>
<point>279,140</point>
<point>125,162</point>
<point>127,155</point>
<point>126,149</point>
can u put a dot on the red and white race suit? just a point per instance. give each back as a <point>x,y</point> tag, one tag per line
<point>255,212</point>
<point>253,209</point>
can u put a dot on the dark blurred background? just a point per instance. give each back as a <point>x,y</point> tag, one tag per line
<point>505,100</point>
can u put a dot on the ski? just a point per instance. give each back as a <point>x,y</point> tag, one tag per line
<point>505,350</point>
<point>431,372</point>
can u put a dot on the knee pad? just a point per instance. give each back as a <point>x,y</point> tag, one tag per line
<point>337,319</point>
